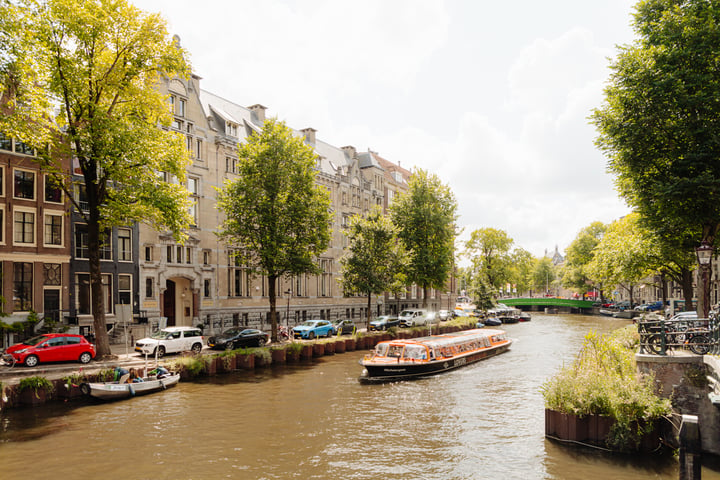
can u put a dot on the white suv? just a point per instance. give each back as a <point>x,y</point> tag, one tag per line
<point>411,318</point>
<point>171,340</point>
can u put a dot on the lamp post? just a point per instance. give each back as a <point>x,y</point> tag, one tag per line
<point>704,256</point>
<point>287,315</point>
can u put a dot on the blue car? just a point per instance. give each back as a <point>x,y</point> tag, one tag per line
<point>313,328</point>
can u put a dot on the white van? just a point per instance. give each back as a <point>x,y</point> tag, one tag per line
<point>413,317</point>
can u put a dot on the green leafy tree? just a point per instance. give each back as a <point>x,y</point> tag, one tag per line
<point>660,122</point>
<point>277,217</point>
<point>521,266</point>
<point>543,275</point>
<point>374,260</point>
<point>489,251</point>
<point>481,293</point>
<point>425,216</point>
<point>579,254</point>
<point>623,256</point>
<point>81,77</point>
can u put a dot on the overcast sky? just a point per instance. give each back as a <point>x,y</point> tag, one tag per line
<point>491,96</point>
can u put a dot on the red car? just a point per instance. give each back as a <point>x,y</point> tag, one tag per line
<point>52,347</point>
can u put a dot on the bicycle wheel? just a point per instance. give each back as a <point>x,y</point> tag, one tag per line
<point>699,344</point>
<point>654,344</point>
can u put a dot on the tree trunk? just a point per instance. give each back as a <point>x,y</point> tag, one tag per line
<point>97,302</point>
<point>367,316</point>
<point>424,302</point>
<point>272,280</point>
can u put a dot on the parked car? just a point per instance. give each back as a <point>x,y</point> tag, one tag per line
<point>52,347</point>
<point>413,317</point>
<point>171,340</point>
<point>445,315</point>
<point>238,337</point>
<point>343,326</point>
<point>650,307</point>
<point>312,329</point>
<point>384,322</point>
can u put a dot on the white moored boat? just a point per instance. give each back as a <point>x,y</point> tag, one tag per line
<point>117,391</point>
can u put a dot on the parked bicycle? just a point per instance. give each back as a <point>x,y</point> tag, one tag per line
<point>658,336</point>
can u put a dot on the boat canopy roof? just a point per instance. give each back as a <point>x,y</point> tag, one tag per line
<point>450,339</point>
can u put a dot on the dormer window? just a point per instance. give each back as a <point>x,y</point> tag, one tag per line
<point>231,129</point>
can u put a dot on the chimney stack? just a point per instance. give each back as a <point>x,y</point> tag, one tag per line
<point>258,113</point>
<point>309,135</point>
<point>350,151</point>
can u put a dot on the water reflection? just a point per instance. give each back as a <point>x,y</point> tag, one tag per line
<point>318,422</point>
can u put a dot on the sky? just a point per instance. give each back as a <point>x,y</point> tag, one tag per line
<point>492,97</point>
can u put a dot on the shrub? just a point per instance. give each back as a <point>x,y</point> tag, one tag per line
<point>294,347</point>
<point>603,380</point>
<point>36,384</point>
<point>192,365</point>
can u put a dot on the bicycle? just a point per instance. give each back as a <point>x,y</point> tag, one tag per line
<point>7,360</point>
<point>679,335</point>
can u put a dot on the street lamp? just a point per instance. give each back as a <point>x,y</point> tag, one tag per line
<point>287,315</point>
<point>704,256</point>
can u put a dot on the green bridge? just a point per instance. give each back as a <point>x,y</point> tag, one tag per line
<point>546,302</point>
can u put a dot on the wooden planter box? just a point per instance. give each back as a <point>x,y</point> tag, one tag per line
<point>589,429</point>
<point>30,398</point>
<point>350,345</point>
<point>245,362</point>
<point>227,364</point>
<point>329,348</point>
<point>340,346</point>
<point>260,362</point>
<point>211,366</point>
<point>279,356</point>
<point>318,350</point>
<point>307,352</point>
<point>65,391</point>
<point>292,357</point>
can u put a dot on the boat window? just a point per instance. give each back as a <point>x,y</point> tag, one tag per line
<point>395,351</point>
<point>415,352</point>
<point>381,349</point>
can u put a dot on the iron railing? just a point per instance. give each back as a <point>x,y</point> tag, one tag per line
<point>699,336</point>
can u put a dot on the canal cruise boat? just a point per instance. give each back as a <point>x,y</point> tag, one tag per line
<point>418,357</point>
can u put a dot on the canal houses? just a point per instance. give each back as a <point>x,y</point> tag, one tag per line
<point>198,282</point>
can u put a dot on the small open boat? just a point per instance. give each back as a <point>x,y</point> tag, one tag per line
<point>117,391</point>
<point>419,357</point>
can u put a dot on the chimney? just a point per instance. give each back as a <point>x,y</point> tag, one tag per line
<point>309,135</point>
<point>258,113</point>
<point>350,151</point>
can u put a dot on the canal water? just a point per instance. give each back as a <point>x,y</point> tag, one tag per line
<point>318,422</point>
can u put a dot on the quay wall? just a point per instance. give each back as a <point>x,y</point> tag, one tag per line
<point>683,378</point>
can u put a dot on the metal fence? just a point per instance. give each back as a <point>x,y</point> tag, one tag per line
<point>698,335</point>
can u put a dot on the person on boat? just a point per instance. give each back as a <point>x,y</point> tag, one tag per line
<point>133,378</point>
<point>119,372</point>
<point>160,372</point>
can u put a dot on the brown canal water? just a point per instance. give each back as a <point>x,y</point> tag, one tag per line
<point>318,422</point>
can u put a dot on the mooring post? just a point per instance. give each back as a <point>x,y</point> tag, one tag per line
<point>689,437</point>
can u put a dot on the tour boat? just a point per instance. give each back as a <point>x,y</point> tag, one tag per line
<point>419,357</point>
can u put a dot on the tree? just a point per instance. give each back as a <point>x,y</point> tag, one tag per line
<point>425,216</point>
<point>579,254</point>
<point>623,256</point>
<point>488,249</point>
<point>374,260</point>
<point>543,275</point>
<point>277,217</point>
<point>81,77</point>
<point>660,122</point>
<point>521,265</point>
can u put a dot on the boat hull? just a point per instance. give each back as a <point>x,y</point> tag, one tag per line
<point>405,370</point>
<point>118,391</point>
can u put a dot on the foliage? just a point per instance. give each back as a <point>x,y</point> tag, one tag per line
<point>294,347</point>
<point>425,216</point>
<point>521,267</point>
<point>660,122</point>
<point>277,217</point>
<point>36,384</point>
<point>193,365</point>
<point>603,380</point>
<point>481,293</point>
<point>82,77</point>
<point>543,274</point>
<point>489,251</point>
<point>106,375</point>
<point>374,260</point>
<point>578,254</point>
<point>74,379</point>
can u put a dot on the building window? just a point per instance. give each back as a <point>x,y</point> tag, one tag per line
<point>124,245</point>
<point>179,256</point>
<point>22,286</point>
<point>326,278</point>
<point>206,257</point>
<point>53,229</point>
<point>198,149</point>
<point>5,142</point>
<point>238,277</point>
<point>169,251</point>
<point>149,293</point>
<point>189,144</point>
<point>148,254</point>
<point>23,148</point>
<point>231,129</point>
<point>2,224</point>
<point>24,227</point>
<point>83,302</point>
<point>206,288</point>
<point>124,289</point>
<point>52,273</point>
<point>180,108</point>
<point>188,255</point>
<point>193,188</point>
<point>53,192</point>
<point>24,184</point>
<point>82,250</point>
<point>2,174</point>
<point>105,246</point>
